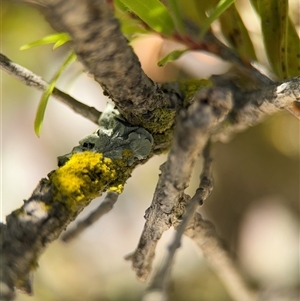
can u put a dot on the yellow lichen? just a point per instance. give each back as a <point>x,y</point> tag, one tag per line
<point>85,176</point>
<point>88,174</point>
<point>118,189</point>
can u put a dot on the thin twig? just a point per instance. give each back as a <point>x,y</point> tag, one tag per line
<point>218,257</point>
<point>32,80</point>
<point>106,206</point>
<point>160,280</point>
<point>192,132</point>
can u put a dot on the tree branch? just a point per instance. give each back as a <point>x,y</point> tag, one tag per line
<point>32,80</point>
<point>105,53</point>
<point>251,107</point>
<point>193,129</point>
<point>84,175</point>
<point>160,280</point>
<point>57,200</point>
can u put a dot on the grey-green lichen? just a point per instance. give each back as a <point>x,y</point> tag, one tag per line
<point>102,161</point>
<point>113,137</point>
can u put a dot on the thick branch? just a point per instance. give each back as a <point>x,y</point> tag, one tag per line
<point>193,130</point>
<point>161,280</point>
<point>105,53</point>
<point>84,175</point>
<point>35,81</point>
<point>252,107</point>
<point>26,234</point>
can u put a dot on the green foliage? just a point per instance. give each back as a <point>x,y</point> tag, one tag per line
<point>195,10</point>
<point>176,16</point>
<point>188,21</point>
<point>236,33</point>
<point>153,13</point>
<point>280,37</point>
<point>58,39</point>
<point>222,6</point>
<point>45,97</point>
<point>172,56</point>
<point>130,26</point>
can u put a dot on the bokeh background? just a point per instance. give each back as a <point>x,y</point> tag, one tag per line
<point>254,206</point>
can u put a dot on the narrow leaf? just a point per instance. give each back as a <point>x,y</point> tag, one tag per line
<point>130,26</point>
<point>119,5</point>
<point>44,100</point>
<point>176,16</point>
<point>195,10</point>
<point>236,33</point>
<point>61,42</point>
<point>222,6</point>
<point>281,40</point>
<point>153,13</point>
<point>273,33</point>
<point>172,56</point>
<point>50,39</point>
<point>293,51</point>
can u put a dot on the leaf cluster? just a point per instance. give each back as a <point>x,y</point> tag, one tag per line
<point>188,22</point>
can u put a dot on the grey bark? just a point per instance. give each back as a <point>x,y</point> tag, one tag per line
<point>216,112</point>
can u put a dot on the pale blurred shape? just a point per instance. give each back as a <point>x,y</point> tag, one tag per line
<point>269,244</point>
<point>152,48</point>
<point>284,135</point>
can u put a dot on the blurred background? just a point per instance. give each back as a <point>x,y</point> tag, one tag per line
<point>254,205</point>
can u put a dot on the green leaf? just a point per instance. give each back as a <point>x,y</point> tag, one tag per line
<point>222,6</point>
<point>273,29</point>
<point>153,13</point>
<point>130,26</point>
<point>176,15</point>
<point>236,33</point>
<point>132,29</point>
<point>62,41</point>
<point>45,97</point>
<point>58,39</point>
<point>119,5</point>
<point>292,51</point>
<point>172,56</point>
<point>280,37</point>
<point>195,10</point>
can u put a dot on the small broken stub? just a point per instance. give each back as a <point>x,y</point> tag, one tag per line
<point>113,137</point>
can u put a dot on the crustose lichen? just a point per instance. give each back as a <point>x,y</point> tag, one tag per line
<point>84,177</point>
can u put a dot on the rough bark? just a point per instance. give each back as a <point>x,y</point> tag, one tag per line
<point>215,112</point>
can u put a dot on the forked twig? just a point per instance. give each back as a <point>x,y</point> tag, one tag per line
<point>160,280</point>
<point>193,130</point>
